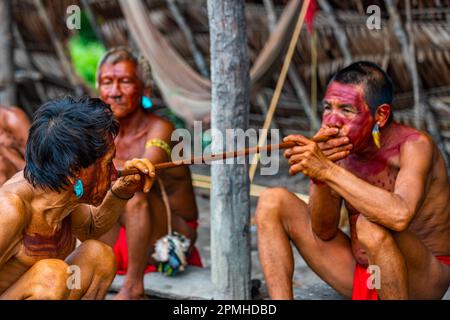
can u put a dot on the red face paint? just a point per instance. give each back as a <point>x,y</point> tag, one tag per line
<point>120,87</point>
<point>346,109</point>
<point>97,178</point>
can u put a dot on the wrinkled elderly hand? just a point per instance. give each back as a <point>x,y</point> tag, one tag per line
<point>306,158</point>
<point>334,148</point>
<point>128,185</point>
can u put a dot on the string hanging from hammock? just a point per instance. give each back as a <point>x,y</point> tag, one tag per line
<point>170,250</point>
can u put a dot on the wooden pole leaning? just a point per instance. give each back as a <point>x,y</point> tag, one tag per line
<point>280,84</point>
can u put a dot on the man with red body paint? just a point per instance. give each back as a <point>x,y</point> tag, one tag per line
<point>397,196</point>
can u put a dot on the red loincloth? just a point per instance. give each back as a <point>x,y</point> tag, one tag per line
<point>444,259</point>
<point>360,288</point>
<point>121,252</point>
<point>360,277</point>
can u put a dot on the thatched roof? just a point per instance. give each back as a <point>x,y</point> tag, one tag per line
<point>429,25</point>
<point>39,70</point>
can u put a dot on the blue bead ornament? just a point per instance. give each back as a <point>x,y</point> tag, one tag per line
<point>78,188</point>
<point>146,102</point>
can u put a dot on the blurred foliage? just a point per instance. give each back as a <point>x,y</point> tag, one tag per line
<point>85,51</point>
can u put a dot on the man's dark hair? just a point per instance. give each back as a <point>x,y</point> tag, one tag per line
<point>377,84</point>
<point>65,136</point>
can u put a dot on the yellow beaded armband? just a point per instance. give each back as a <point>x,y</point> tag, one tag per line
<point>160,144</point>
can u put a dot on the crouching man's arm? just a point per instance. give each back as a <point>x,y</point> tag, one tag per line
<point>324,203</point>
<point>371,201</point>
<point>89,222</point>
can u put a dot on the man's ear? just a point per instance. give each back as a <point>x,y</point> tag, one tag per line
<point>382,114</point>
<point>73,179</point>
<point>147,91</point>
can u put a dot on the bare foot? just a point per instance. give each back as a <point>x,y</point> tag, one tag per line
<point>130,294</point>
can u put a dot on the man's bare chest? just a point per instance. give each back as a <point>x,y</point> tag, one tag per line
<point>44,245</point>
<point>129,147</point>
<point>382,176</point>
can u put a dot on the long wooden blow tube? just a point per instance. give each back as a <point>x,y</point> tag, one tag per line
<point>218,156</point>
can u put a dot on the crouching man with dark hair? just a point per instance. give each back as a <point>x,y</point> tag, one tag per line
<point>65,193</point>
<point>394,183</point>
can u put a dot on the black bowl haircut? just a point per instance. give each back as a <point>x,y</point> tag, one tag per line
<point>65,136</point>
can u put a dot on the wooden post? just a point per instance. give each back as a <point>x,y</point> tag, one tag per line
<point>230,199</point>
<point>7,84</point>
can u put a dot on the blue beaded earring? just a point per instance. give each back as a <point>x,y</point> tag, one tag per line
<point>78,188</point>
<point>146,102</point>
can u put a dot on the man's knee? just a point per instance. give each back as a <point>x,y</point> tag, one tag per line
<point>51,280</point>
<point>371,235</point>
<point>274,203</point>
<point>102,255</point>
<point>270,203</point>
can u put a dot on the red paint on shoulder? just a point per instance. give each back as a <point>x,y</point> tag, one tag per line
<point>392,141</point>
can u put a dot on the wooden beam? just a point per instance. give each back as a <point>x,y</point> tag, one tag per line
<point>230,199</point>
<point>40,90</point>
<point>66,65</point>
<point>280,84</point>
<point>261,102</point>
<point>410,61</point>
<point>294,78</point>
<point>197,55</point>
<point>339,32</point>
<point>204,182</point>
<point>406,40</point>
<point>7,84</point>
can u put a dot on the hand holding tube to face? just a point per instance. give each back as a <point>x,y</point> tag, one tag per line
<point>333,147</point>
<point>313,156</point>
<point>126,186</point>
